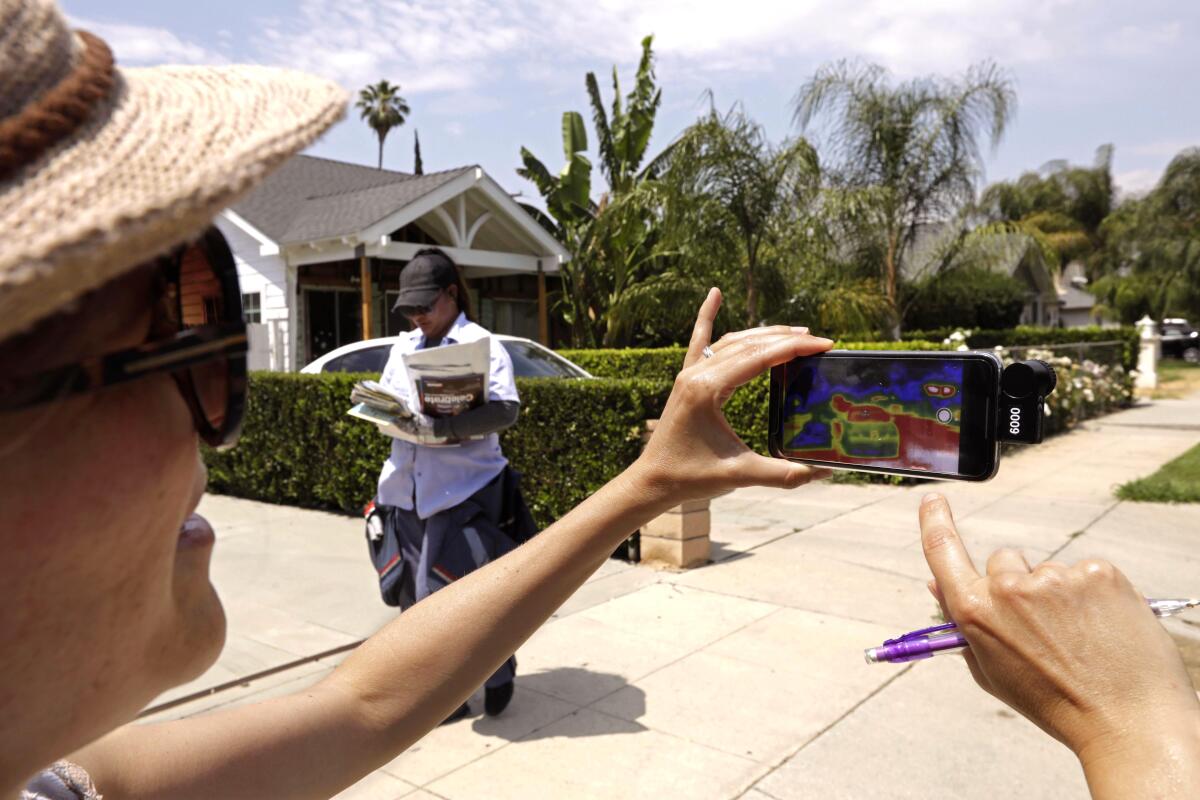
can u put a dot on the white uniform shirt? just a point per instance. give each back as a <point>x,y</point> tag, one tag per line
<point>443,477</point>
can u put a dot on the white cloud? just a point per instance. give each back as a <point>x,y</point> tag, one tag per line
<point>1136,181</point>
<point>459,44</point>
<point>455,129</point>
<point>136,45</point>
<point>450,46</point>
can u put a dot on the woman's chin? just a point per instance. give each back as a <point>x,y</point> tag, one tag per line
<point>192,640</point>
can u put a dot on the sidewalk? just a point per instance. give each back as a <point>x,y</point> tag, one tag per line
<point>744,678</point>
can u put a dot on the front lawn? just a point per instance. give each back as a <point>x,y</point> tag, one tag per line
<point>1176,379</point>
<point>1177,481</point>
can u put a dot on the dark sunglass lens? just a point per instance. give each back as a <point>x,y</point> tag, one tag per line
<point>210,382</point>
<point>201,294</point>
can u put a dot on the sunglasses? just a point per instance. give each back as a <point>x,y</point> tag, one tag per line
<point>414,311</point>
<point>199,338</point>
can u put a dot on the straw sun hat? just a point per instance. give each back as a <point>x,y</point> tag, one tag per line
<point>103,168</point>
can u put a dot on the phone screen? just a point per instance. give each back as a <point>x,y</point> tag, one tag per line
<point>893,413</point>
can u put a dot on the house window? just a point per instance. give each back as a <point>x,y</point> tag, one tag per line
<point>252,307</point>
<point>334,318</point>
<point>511,317</point>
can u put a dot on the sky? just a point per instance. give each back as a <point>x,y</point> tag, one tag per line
<point>486,77</point>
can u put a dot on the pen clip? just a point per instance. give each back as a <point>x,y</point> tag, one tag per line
<point>922,634</point>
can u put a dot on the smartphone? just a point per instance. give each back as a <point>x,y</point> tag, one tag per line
<point>926,414</point>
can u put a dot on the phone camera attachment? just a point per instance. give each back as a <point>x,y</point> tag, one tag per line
<point>1024,386</point>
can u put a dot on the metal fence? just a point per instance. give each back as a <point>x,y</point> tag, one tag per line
<point>1108,353</point>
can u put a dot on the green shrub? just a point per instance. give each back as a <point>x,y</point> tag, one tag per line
<point>969,298</point>
<point>299,448</point>
<point>664,363</point>
<point>573,436</point>
<point>653,363</point>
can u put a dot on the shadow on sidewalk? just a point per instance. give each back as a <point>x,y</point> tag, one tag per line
<point>624,705</point>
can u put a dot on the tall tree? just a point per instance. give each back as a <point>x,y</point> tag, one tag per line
<point>1061,205</point>
<point>1150,263</point>
<point>623,137</point>
<point>724,169</point>
<point>909,151</point>
<point>612,239</point>
<point>383,108</point>
<point>418,166</point>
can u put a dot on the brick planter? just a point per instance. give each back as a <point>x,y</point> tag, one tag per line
<point>678,538</point>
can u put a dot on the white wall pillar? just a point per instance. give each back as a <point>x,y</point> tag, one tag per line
<point>1149,352</point>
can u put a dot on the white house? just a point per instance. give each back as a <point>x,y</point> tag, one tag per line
<point>320,245</point>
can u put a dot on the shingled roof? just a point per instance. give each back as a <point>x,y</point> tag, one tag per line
<point>310,198</point>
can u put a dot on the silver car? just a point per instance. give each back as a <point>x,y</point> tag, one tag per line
<point>530,359</point>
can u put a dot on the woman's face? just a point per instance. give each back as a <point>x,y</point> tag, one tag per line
<point>105,570</point>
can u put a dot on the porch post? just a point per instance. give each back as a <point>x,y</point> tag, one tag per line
<point>543,317</point>
<point>364,288</point>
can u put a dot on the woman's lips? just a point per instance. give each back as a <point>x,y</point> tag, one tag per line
<point>195,532</point>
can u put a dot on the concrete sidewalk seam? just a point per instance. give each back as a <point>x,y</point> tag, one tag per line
<point>1084,530</point>
<point>775,767</point>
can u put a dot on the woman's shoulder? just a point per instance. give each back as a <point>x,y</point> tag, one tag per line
<point>468,331</point>
<point>61,781</point>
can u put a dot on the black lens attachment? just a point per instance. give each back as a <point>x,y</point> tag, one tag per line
<point>1024,386</point>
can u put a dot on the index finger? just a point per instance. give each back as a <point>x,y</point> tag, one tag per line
<point>944,550</point>
<point>751,356</point>
<point>702,330</point>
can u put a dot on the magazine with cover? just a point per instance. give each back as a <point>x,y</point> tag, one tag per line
<point>443,381</point>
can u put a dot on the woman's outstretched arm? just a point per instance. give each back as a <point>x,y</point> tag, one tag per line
<point>411,675</point>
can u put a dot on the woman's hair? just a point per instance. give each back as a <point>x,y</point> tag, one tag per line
<point>464,297</point>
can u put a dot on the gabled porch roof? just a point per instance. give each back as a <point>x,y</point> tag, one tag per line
<point>316,210</point>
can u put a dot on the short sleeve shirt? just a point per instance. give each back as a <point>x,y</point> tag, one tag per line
<point>433,479</point>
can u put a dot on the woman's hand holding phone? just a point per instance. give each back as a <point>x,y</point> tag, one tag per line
<point>1077,651</point>
<point>694,453</point>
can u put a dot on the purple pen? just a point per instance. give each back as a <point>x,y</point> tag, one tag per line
<point>917,645</point>
<point>945,638</point>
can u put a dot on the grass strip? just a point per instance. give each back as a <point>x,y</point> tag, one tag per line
<point>1177,481</point>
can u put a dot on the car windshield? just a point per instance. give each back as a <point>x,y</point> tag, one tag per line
<point>532,361</point>
<point>367,359</point>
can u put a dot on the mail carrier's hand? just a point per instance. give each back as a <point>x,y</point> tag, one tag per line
<point>1076,650</point>
<point>694,453</point>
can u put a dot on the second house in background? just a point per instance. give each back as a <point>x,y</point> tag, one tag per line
<point>320,245</point>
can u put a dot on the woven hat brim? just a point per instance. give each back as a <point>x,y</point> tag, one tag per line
<point>171,148</point>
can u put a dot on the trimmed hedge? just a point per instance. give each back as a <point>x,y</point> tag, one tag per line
<point>1029,335</point>
<point>299,448</point>
<point>664,363</point>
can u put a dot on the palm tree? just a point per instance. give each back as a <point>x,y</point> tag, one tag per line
<point>911,151</point>
<point>723,170</point>
<point>383,108</point>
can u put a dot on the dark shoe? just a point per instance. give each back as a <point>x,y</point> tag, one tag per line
<point>497,699</point>
<point>463,711</point>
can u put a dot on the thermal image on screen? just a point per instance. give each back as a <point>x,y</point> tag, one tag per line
<point>895,413</point>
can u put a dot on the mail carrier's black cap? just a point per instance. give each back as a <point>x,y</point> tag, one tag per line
<point>423,278</point>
